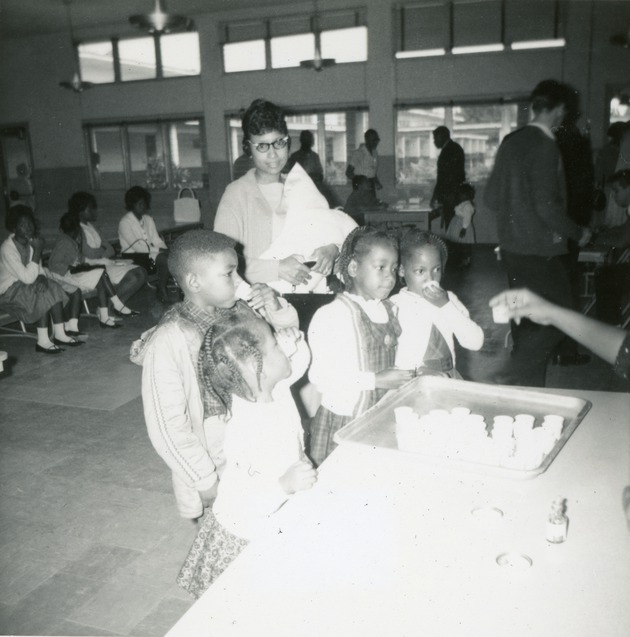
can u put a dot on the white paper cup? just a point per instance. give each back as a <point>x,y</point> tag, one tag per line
<point>500,314</point>
<point>243,290</point>
<point>403,414</point>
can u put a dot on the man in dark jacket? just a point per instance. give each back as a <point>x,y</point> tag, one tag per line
<point>450,174</point>
<point>527,191</point>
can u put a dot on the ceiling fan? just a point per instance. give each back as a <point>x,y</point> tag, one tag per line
<point>76,84</point>
<point>621,39</point>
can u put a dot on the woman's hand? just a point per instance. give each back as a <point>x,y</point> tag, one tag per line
<point>262,296</point>
<point>435,294</point>
<point>524,304</point>
<point>41,283</point>
<point>325,257</point>
<point>298,477</point>
<point>293,271</point>
<point>392,378</point>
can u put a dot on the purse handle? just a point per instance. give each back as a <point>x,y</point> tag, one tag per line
<point>190,190</point>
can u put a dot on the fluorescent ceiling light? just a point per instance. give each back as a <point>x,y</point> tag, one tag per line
<point>478,48</point>
<point>538,44</point>
<point>420,53</point>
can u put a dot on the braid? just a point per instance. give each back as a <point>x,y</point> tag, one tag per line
<point>226,344</point>
<point>415,238</point>
<point>208,372</point>
<point>357,244</point>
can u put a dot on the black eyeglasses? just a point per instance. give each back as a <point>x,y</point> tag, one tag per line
<point>263,147</point>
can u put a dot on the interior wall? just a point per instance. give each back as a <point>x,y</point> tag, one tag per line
<point>31,68</point>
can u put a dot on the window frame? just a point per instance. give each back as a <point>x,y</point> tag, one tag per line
<point>115,41</point>
<point>163,125</point>
<point>266,33</point>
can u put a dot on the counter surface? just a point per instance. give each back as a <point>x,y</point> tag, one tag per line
<point>389,546</point>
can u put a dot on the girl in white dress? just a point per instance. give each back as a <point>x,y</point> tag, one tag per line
<point>244,366</point>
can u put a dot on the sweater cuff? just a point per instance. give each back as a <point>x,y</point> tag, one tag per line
<point>206,483</point>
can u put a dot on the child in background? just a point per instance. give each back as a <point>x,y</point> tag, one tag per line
<point>244,366</point>
<point>461,229</point>
<point>204,264</point>
<point>68,267</point>
<point>26,291</point>
<point>429,315</point>
<point>354,338</point>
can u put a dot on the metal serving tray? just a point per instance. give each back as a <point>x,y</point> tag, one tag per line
<point>377,427</point>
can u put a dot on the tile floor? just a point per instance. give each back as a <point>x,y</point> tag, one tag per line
<point>90,541</point>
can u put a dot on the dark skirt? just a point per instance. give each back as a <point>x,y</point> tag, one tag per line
<point>28,305</point>
<point>323,427</point>
<point>213,550</point>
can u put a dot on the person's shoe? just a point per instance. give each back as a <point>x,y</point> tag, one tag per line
<point>128,314</point>
<point>73,343</point>
<point>80,336</point>
<point>53,349</point>
<point>566,361</point>
<point>110,323</point>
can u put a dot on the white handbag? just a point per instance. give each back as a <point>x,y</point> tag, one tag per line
<point>186,209</point>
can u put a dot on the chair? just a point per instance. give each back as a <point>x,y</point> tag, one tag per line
<point>5,331</point>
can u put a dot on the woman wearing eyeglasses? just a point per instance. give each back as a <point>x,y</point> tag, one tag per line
<point>273,216</point>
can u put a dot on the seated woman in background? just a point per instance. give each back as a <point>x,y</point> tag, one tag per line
<point>281,222</point>
<point>27,293</point>
<point>127,278</point>
<point>69,267</point>
<point>610,343</point>
<point>139,238</point>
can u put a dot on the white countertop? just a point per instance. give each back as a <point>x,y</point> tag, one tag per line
<point>386,546</point>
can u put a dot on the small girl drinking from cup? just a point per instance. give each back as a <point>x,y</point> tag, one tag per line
<point>429,315</point>
<point>243,364</point>
<point>354,338</point>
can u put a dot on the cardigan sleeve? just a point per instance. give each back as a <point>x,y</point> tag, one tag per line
<point>167,414</point>
<point>457,317</point>
<point>12,264</point>
<point>233,213</point>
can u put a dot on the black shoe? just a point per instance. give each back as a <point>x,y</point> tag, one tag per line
<point>48,350</point>
<point>112,326</point>
<point>131,313</point>
<point>80,336</point>
<point>565,361</point>
<point>74,343</point>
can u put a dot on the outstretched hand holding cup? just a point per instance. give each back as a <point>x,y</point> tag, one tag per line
<point>520,304</point>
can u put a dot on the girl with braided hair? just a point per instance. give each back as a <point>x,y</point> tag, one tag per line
<point>354,338</point>
<point>429,315</point>
<point>245,367</point>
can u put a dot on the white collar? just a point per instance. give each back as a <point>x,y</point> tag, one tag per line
<point>544,129</point>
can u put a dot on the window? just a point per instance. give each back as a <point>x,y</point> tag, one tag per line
<point>336,133</point>
<point>345,45</point>
<point>97,62</point>
<point>244,56</point>
<point>478,128</point>
<point>156,155</point>
<point>132,59</point>
<point>180,54</point>
<point>291,39</point>
<point>290,50</point>
<point>435,27</point>
<point>137,59</point>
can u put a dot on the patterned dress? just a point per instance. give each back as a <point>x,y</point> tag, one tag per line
<point>376,347</point>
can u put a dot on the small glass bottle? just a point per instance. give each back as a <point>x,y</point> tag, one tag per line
<point>557,522</point>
